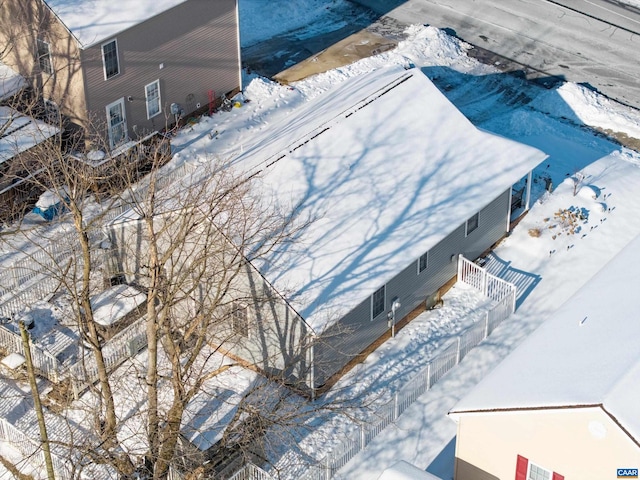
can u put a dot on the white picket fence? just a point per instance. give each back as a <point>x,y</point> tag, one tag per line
<point>44,363</point>
<point>123,345</point>
<point>36,275</point>
<point>251,472</point>
<point>489,285</point>
<point>30,449</point>
<point>504,295</point>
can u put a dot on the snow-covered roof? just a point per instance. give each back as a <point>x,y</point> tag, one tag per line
<point>586,354</point>
<point>208,415</point>
<point>386,167</point>
<point>91,21</point>
<point>22,133</point>
<point>115,303</point>
<point>405,471</point>
<point>215,406</point>
<point>10,81</point>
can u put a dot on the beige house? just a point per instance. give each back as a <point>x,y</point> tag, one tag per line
<point>127,67</point>
<point>565,403</point>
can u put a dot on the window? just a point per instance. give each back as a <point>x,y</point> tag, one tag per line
<point>51,112</point>
<point>152,94</point>
<point>377,302</point>
<point>240,320</point>
<point>116,123</point>
<point>110,59</point>
<point>472,224</point>
<point>538,473</point>
<point>423,262</point>
<point>44,57</point>
<point>526,470</point>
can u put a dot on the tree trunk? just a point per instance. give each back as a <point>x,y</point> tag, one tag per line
<point>44,438</point>
<point>109,433</point>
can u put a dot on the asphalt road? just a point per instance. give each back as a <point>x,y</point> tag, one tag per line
<point>594,42</point>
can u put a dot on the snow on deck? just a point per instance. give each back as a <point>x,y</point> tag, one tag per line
<point>115,303</point>
<point>587,353</point>
<point>91,21</point>
<point>22,133</point>
<point>10,82</point>
<point>386,167</point>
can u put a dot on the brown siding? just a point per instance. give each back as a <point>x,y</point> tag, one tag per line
<point>197,44</point>
<point>466,471</point>
<point>21,24</point>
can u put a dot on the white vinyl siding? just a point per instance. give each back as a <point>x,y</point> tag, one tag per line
<point>152,95</point>
<point>110,60</point>
<point>116,123</point>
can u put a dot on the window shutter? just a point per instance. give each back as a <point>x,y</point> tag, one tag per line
<point>521,468</point>
<point>557,476</point>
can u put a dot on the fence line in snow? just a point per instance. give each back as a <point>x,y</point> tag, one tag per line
<point>504,295</point>
<point>29,279</point>
<point>30,449</point>
<point>125,344</point>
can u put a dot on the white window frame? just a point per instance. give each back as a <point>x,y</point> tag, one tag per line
<point>534,465</point>
<point>384,302</point>
<point>425,255</point>
<point>112,142</point>
<point>104,63</point>
<point>147,98</point>
<point>243,331</point>
<point>467,232</point>
<point>48,70</point>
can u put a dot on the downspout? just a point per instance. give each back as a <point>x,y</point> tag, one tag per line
<point>528,202</point>
<point>509,209</point>
<point>312,367</point>
<point>239,48</point>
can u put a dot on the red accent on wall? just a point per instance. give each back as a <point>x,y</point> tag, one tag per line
<point>557,476</point>
<point>521,468</point>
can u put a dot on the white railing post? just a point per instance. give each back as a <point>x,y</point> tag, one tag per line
<point>458,352</point>
<point>396,407</point>
<point>363,438</point>
<point>428,376</point>
<point>486,324</point>
<point>485,282</point>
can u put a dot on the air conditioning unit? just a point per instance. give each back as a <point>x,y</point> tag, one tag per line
<point>136,344</point>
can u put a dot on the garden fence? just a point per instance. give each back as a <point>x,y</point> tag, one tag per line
<point>502,293</point>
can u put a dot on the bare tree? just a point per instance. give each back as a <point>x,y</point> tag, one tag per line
<point>191,245</point>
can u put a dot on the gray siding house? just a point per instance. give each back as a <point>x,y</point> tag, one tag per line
<point>391,183</point>
<point>121,66</point>
<point>397,183</point>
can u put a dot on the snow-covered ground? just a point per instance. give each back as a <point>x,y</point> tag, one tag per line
<point>563,241</point>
